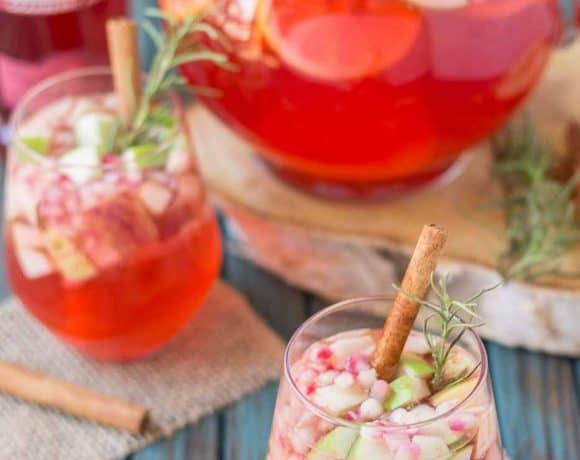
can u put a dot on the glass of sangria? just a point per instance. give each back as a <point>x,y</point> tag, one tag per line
<point>113,251</point>
<point>331,405</point>
<point>367,98</point>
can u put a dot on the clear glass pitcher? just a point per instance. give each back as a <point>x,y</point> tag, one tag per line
<point>372,97</point>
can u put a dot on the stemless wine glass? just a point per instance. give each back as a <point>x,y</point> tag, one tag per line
<point>111,257</point>
<point>463,422</point>
<point>367,98</point>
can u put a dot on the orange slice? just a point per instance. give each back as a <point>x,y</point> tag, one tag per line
<point>341,44</point>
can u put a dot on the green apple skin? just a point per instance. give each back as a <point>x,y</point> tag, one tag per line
<point>336,444</point>
<point>415,366</point>
<point>369,449</point>
<point>406,390</point>
<point>463,454</point>
<point>457,392</point>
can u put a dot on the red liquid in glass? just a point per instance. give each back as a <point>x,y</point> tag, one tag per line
<point>39,39</point>
<point>133,307</point>
<point>372,95</point>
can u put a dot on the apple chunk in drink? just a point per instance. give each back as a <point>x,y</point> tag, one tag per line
<point>111,245</point>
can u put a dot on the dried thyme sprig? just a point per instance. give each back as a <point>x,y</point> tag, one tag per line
<point>454,317</point>
<point>539,209</point>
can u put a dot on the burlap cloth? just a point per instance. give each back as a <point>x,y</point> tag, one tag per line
<point>226,352</point>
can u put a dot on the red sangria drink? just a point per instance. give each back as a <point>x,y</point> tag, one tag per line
<point>112,248</point>
<point>41,38</point>
<point>362,98</point>
<point>332,405</point>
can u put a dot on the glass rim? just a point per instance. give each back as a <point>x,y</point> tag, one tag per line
<point>17,116</point>
<point>337,421</point>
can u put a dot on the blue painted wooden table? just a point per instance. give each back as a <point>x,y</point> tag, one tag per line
<point>538,396</point>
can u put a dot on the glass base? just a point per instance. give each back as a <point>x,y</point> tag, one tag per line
<point>368,190</point>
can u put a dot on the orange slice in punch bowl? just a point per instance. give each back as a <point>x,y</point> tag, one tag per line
<point>335,41</point>
<point>179,9</point>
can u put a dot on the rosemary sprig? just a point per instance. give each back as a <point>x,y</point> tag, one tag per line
<point>540,210</point>
<point>454,317</point>
<point>174,48</point>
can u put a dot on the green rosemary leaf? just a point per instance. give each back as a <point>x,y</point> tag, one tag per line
<point>174,48</point>
<point>450,327</point>
<point>540,209</point>
<point>153,33</point>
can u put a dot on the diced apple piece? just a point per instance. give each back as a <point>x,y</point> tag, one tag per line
<point>416,344</point>
<point>344,348</point>
<point>37,143</point>
<point>26,236</point>
<point>459,363</point>
<point>335,444</point>
<point>72,264</point>
<point>439,4</point>
<point>96,129</point>
<point>178,161</point>
<point>34,264</point>
<point>155,196</point>
<point>406,390</point>
<point>370,449</point>
<point>338,400</point>
<point>463,454</point>
<point>143,157</point>
<point>457,392</point>
<point>432,448</point>
<point>415,366</point>
<point>81,164</point>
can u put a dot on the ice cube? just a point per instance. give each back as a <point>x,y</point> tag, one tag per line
<point>34,264</point>
<point>155,196</point>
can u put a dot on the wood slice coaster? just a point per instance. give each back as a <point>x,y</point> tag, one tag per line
<point>340,250</point>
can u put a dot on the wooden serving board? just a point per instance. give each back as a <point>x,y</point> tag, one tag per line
<point>339,249</point>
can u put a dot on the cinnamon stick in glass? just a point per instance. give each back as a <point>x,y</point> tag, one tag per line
<point>124,57</point>
<point>71,399</point>
<point>402,315</point>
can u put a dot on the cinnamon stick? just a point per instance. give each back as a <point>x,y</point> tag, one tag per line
<point>573,148</point>
<point>124,57</point>
<point>71,399</point>
<point>402,315</point>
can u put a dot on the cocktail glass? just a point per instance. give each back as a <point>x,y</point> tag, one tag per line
<point>113,256</point>
<point>324,413</point>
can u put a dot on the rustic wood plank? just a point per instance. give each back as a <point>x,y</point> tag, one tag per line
<point>199,442</point>
<point>537,404</point>
<point>247,426</point>
<point>278,303</point>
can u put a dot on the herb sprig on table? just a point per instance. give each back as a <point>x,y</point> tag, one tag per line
<point>444,327</point>
<point>539,207</point>
<point>174,48</point>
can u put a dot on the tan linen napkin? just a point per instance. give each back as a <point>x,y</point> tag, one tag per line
<point>225,353</point>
